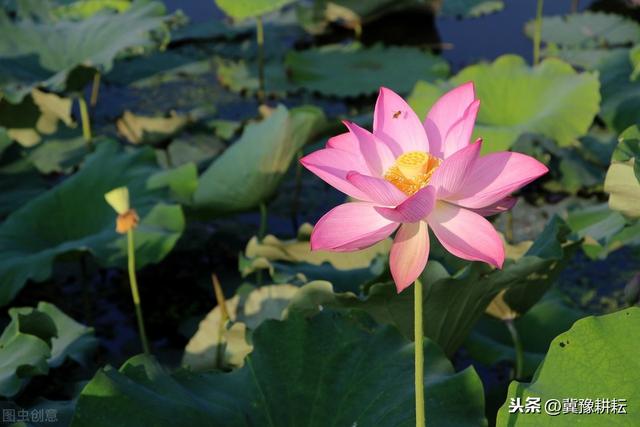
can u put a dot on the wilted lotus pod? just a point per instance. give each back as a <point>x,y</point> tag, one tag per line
<point>118,199</point>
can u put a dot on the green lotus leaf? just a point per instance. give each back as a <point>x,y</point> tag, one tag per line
<point>220,346</point>
<point>20,181</point>
<point>587,30</point>
<point>353,70</point>
<point>37,339</point>
<point>243,9</point>
<point>620,93</point>
<point>623,177</point>
<point>344,369</point>
<point>74,216</point>
<point>60,153</point>
<point>81,9</point>
<point>61,54</point>
<point>602,229</point>
<point>593,360</point>
<point>491,343</point>
<point>453,303</point>
<point>249,171</point>
<point>551,99</point>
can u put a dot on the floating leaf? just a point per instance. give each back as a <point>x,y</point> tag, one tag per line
<point>452,304</point>
<point>623,177</point>
<point>470,8</point>
<point>590,361</point>
<point>222,346</point>
<point>249,171</point>
<point>150,130</point>
<point>550,99</point>
<point>587,30</point>
<point>350,71</point>
<point>243,9</point>
<point>37,339</point>
<point>74,216</point>
<point>301,372</point>
<point>35,116</point>
<point>293,261</point>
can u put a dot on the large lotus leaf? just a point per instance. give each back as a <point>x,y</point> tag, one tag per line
<point>470,8</point>
<point>217,345</point>
<point>353,70</point>
<point>73,216</point>
<point>336,369</point>
<point>623,177</point>
<point>20,181</point>
<point>452,304</point>
<point>292,261</point>
<point>249,171</point>
<point>491,343</point>
<point>37,339</point>
<point>620,93</point>
<point>46,51</point>
<point>587,30</point>
<point>550,99</point>
<point>243,9</point>
<point>595,359</point>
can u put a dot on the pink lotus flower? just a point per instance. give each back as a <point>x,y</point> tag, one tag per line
<point>410,176</point>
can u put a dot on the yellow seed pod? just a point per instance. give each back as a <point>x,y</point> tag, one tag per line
<point>118,198</point>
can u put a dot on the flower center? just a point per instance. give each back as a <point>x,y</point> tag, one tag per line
<point>412,171</point>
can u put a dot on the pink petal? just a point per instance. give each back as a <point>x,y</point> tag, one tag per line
<point>378,190</point>
<point>500,206</point>
<point>395,123</point>
<point>345,142</point>
<point>445,113</point>
<point>409,254</point>
<point>495,176</point>
<point>350,227</point>
<point>332,165</point>
<point>413,209</point>
<point>466,234</point>
<point>459,134</point>
<point>452,174</point>
<point>376,153</point>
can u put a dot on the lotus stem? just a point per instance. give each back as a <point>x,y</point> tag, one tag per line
<point>260,41</point>
<point>508,227</point>
<point>134,290</point>
<point>575,4</point>
<point>295,201</point>
<point>86,123</point>
<point>419,353</point>
<point>224,317</point>
<point>95,89</point>
<point>537,33</point>
<point>517,345</point>
<point>263,221</point>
